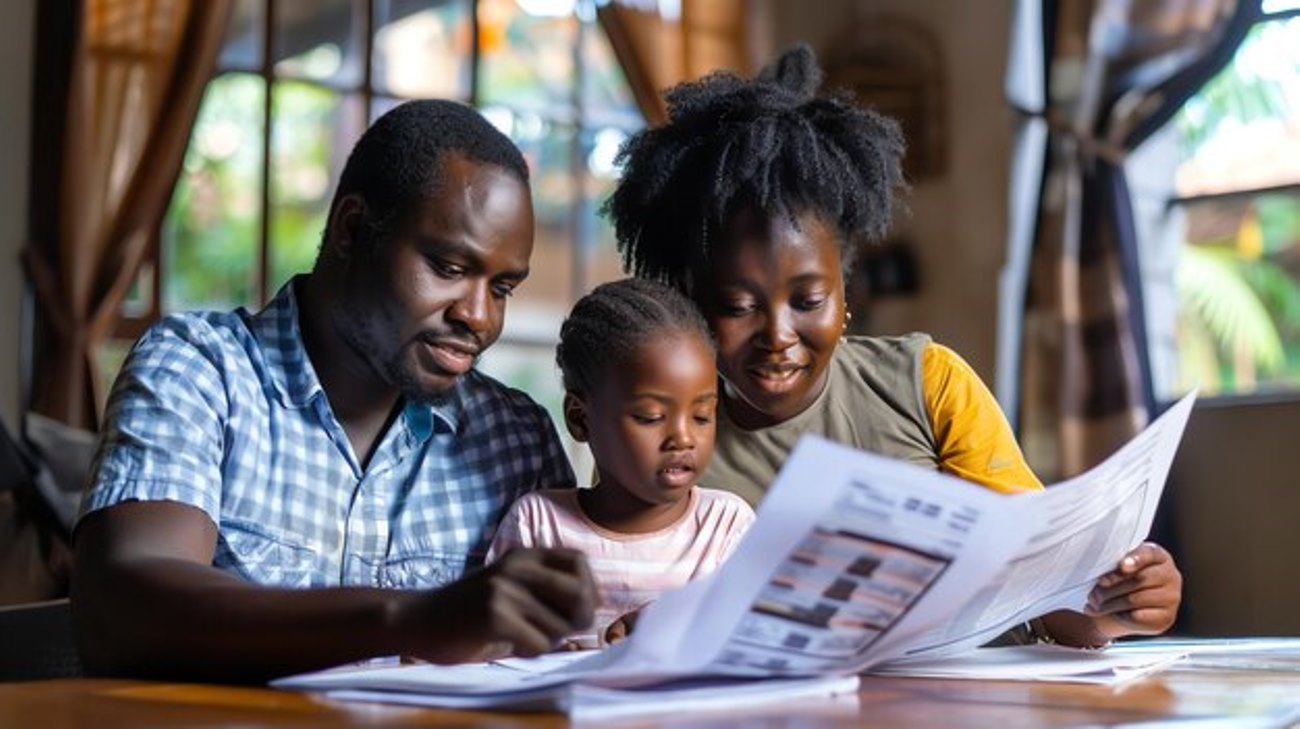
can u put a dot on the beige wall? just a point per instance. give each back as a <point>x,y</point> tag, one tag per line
<point>957,222</point>
<point>16,46</point>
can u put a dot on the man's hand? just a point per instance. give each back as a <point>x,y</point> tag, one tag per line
<point>1140,597</point>
<point>528,601</point>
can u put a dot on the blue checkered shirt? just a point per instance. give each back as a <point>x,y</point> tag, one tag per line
<point>223,411</point>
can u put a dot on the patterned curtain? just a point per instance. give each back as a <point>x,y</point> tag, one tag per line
<point>658,48</point>
<point>1073,367</point>
<point>138,72</point>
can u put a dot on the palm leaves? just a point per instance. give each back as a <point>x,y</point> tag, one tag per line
<point>1221,316</point>
<point>1234,315</point>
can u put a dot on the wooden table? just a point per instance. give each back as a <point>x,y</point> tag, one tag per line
<point>1241,690</point>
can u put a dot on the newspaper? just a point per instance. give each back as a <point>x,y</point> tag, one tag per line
<point>856,560</point>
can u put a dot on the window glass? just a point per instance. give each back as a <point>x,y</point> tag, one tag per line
<point>545,75</point>
<point>527,57</point>
<point>242,50</point>
<point>606,96</point>
<point>422,49</point>
<point>320,40</point>
<point>539,305</point>
<point>612,116</point>
<point>312,129</point>
<point>602,262</point>
<point>1236,209</point>
<point>211,231</point>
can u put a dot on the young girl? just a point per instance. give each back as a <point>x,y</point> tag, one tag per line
<point>641,389</point>
<point>749,200</point>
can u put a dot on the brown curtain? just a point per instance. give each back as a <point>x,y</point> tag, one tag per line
<point>657,51</point>
<point>1117,70</point>
<point>139,68</point>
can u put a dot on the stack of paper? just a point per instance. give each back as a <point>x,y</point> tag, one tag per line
<point>1039,663</point>
<point>1243,654</point>
<point>541,684</point>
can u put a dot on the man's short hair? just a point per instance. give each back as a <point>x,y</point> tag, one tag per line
<point>398,161</point>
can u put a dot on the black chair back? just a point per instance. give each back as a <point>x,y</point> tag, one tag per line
<point>37,642</point>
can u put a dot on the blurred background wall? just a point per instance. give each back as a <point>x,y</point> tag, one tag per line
<point>15,106</point>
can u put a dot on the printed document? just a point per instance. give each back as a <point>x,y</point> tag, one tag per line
<point>856,560</point>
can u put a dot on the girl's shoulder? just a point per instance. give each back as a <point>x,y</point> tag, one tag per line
<point>547,501</point>
<point>717,500</point>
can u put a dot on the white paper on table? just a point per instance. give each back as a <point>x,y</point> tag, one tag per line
<point>1037,663</point>
<point>1240,654</point>
<point>584,702</point>
<point>1195,647</point>
<point>469,679</point>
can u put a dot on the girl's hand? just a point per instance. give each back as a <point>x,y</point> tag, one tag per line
<point>622,628</point>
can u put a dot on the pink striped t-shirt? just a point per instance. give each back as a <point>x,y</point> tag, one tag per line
<point>630,569</point>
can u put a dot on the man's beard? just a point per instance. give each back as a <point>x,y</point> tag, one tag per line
<point>391,369</point>
<point>409,385</point>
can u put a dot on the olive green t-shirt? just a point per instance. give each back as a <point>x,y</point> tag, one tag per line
<point>873,401</point>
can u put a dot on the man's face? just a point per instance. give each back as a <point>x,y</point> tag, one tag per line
<point>775,302</point>
<point>432,296</point>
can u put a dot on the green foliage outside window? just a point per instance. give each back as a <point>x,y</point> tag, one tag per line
<point>210,235</point>
<point>1238,279</point>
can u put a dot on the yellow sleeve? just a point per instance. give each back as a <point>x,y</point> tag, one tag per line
<point>974,439</point>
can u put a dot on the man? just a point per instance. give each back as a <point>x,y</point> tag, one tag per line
<point>309,485</point>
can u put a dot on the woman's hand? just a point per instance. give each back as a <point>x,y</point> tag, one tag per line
<point>1140,596</point>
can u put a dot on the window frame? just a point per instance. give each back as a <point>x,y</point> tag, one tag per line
<point>132,324</point>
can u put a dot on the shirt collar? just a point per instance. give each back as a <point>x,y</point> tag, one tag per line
<point>276,329</point>
<point>420,417</point>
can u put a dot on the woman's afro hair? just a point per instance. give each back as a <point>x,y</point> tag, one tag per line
<point>765,146</point>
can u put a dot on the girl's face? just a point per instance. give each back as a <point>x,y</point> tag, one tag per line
<point>775,301</point>
<point>650,423</point>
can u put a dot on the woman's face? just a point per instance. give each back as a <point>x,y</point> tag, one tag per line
<point>774,297</point>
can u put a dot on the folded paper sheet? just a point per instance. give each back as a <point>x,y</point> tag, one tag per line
<point>856,560</point>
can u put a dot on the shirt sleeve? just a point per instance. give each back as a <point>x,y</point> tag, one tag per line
<point>974,439</point>
<point>512,532</point>
<point>163,433</point>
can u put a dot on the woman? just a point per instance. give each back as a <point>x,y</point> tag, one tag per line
<point>750,200</point>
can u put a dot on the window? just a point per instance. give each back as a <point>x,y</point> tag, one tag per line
<point>299,80</point>
<point>1227,241</point>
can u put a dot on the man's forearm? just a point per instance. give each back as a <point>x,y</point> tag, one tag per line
<point>179,619</point>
